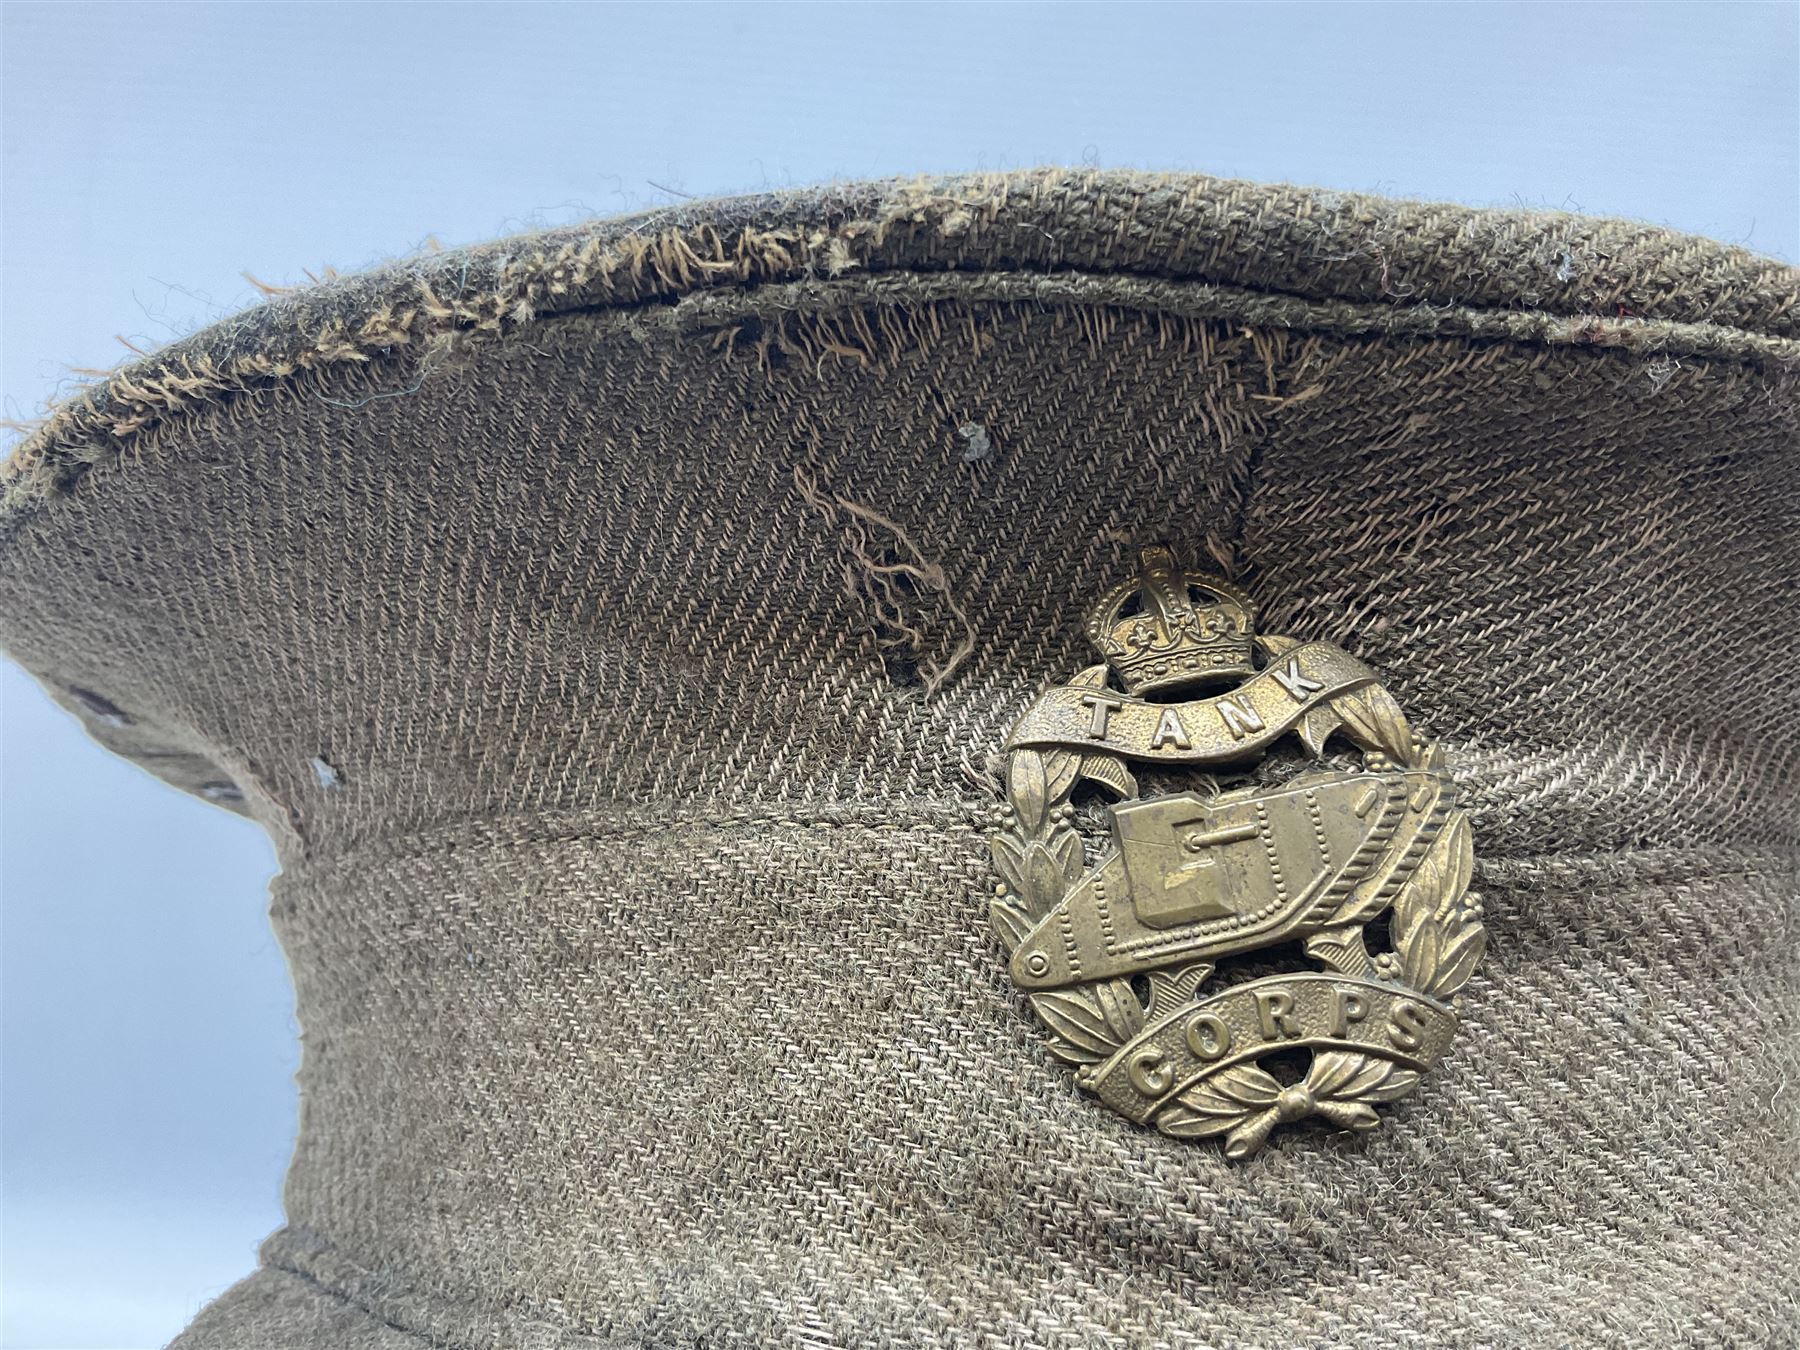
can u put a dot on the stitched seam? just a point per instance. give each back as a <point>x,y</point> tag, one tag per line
<point>482,835</point>
<point>1245,492</point>
<point>1194,297</point>
<point>19,505</point>
<point>292,1250</point>
<point>495,832</point>
<point>318,1286</point>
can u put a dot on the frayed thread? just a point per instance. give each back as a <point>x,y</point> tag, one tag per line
<point>883,572</point>
<point>437,303</point>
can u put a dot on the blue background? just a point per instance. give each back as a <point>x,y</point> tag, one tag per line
<point>153,153</point>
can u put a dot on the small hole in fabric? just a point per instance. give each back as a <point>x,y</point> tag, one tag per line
<point>902,671</point>
<point>221,792</point>
<point>326,772</point>
<point>101,709</point>
<point>977,444</point>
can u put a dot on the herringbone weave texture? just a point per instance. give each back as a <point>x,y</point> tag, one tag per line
<point>616,628</point>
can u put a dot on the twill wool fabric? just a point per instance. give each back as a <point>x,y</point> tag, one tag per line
<point>616,629</point>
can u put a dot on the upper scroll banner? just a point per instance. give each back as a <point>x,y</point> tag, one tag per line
<point>1294,688</point>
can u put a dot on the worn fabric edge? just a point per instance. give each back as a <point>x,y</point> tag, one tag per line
<point>1411,260</point>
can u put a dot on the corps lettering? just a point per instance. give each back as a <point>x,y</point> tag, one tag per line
<point>1268,1015</point>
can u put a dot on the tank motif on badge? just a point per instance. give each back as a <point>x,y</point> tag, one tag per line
<point>1141,963</point>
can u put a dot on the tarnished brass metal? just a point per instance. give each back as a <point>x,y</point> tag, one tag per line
<point>1131,959</point>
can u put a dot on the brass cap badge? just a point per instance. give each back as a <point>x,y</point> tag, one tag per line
<point>1119,957</point>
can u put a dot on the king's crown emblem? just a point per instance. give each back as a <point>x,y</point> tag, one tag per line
<point>1168,628</point>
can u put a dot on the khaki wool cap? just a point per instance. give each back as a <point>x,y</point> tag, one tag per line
<point>618,629</point>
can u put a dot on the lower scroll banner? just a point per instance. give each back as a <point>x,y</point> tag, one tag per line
<point>1367,1019</point>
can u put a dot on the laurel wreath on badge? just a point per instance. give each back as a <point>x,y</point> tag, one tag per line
<point>1115,957</point>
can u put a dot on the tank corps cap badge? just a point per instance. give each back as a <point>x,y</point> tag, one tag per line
<point>1138,929</point>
